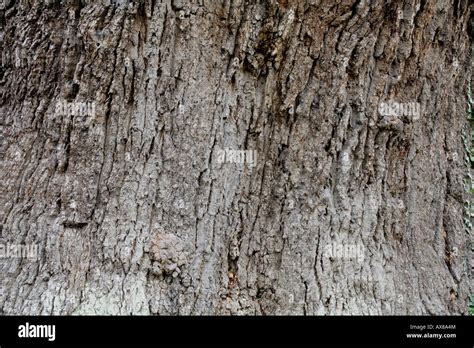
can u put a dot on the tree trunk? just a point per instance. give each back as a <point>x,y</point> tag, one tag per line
<point>141,200</point>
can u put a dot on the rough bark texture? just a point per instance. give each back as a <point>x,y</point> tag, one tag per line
<point>134,214</point>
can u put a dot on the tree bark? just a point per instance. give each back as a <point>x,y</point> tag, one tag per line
<point>342,211</point>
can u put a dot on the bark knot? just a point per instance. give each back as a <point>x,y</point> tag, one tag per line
<point>167,254</point>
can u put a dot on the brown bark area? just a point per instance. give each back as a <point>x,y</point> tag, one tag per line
<point>131,209</point>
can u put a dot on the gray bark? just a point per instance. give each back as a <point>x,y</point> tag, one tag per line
<point>343,211</point>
